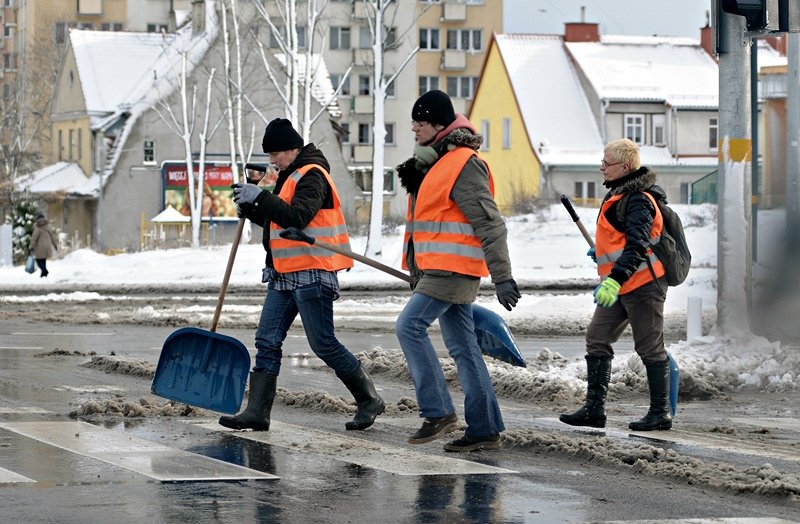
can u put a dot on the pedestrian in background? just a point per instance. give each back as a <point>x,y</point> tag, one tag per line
<point>301,278</point>
<point>629,293</point>
<point>454,236</point>
<point>43,243</point>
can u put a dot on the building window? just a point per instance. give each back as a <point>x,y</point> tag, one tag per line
<point>60,32</point>
<point>340,38</point>
<point>336,79</point>
<point>685,186</point>
<point>71,145</point>
<point>78,152</point>
<point>60,144</point>
<point>485,133</point>
<point>585,192</point>
<point>364,85</point>
<point>8,31</point>
<point>506,133</point>
<point>428,83</point>
<point>276,40</point>
<point>659,136</point>
<point>346,133</point>
<point>364,134</point>
<point>461,86</point>
<point>6,61</point>
<point>464,39</point>
<point>390,40</point>
<point>634,128</point>
<point>363,179</point>
<point>713,134</point>
<point>389,140</point>
<point>428,38</point>
<point>364,37</point>
<point>390,92</point>
<point>156,28</point>
<point>149,157</point>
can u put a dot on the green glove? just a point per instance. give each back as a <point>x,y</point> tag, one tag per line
<point>607,292</point>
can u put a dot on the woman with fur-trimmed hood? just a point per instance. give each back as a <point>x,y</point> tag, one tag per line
<point>454,236</point>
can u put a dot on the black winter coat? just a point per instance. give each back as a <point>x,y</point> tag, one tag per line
<point>638,219</point>
<point>312,194</point>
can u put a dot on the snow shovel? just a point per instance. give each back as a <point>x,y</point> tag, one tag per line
<point>204,368</point>
<point>674,370</point>
<point>494,337</point>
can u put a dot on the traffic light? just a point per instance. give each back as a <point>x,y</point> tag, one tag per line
<point>759,14</point>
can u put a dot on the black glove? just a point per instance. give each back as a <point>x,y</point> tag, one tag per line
<point>507,293</point>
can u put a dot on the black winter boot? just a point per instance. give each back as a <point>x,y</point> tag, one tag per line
<point>593,412</point>
<point>369,403</point>
<point>259,404</point>
<point>659,415</point>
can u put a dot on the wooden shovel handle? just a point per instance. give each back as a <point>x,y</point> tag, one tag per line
<point>237,237</point>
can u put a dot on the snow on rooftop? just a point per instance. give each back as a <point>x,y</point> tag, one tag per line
<point>563,129</point>
<point>61,176</point>
<point>676,71</point>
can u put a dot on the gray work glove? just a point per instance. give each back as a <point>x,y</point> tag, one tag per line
<point>245,193</point>
<point>507,293</point>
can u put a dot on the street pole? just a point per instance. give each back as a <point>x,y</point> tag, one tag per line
<point>793,147</point>
<point>734,183</point>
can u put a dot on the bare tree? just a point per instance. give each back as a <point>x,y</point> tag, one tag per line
<point>383,37</point>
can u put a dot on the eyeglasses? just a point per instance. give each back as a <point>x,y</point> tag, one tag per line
<point>606,164</point>
<point>417,125</point>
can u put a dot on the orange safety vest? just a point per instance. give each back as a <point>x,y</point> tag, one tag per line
<point>610,243</point>
<point>328,225</point>
<point>443,237</point>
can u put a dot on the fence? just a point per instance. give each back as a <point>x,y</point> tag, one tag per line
<point>171,235</point>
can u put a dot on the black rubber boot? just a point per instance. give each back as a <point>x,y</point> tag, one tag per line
<point>659,415</point>
<point>593,412</point>
<point>369,403</point>
<point>259,404</point>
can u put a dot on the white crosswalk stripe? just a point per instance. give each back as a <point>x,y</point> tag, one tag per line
<point>392,459</point>
<point>147,458</point>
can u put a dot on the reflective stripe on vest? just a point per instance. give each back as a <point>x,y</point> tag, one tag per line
<point>610,244</point>
<point>328,225</point>
<point>443,237</point>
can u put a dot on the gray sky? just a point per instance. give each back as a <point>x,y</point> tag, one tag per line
<point>617,17</point>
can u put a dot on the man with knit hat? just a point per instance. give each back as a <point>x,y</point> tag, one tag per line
<point>454,236</point>
<point>301,277</point>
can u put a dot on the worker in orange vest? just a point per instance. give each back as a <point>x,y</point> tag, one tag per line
<point>301,278</point>
<point>454,236</point>
<point>630,292</point>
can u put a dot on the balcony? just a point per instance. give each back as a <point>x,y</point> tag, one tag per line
<point>361,104</point>
<point>453,11</point>
<point>362,153</point>
<point>454,59</point>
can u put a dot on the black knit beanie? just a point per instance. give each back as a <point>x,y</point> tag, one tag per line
<point>434,107</point>
<point>280,136</point>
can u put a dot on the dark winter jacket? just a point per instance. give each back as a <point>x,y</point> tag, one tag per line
<point>472,196</point>
<point>43,240</point>
<point>638,219</point>
<point>313,193</point>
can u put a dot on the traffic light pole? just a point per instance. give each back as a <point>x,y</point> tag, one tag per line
<point>793,147</point>
<point>734,258</point>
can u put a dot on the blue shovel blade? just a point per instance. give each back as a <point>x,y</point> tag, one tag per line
<point>203,369</point>
<point>494,337</point>
<point>674,384</point>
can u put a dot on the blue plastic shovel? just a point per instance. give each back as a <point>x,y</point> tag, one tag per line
<point>204,368</point>
<point>494,337</point>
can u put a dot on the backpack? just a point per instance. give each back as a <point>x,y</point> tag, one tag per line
<point>672,250</point>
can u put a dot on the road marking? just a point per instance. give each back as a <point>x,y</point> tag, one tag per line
<point>98,388</point>
<point>9,477</point>
<point>791,424</point>
<point>23,409</point>
<point>392,459</point>
<point>141,456</point>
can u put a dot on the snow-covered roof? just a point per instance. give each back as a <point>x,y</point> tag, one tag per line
<point>551,100</point>
<point>321,89</point>
<point>65,177</point>
<point>676,71</point>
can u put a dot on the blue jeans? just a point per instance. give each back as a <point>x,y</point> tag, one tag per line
<point>481,411</point>
<point>315,305</point>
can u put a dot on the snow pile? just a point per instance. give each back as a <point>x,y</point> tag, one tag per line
<point>118,406</point>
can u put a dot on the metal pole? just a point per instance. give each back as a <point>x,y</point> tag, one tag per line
<point>793,146</point>
<point>754,122</point>
<point>734,187</point>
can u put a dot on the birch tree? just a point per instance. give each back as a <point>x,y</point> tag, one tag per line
<point>383,37</point>
<point>184,127</point>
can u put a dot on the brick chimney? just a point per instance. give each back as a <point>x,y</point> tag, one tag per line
<point>581,31</point>
<point>707,40</point>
